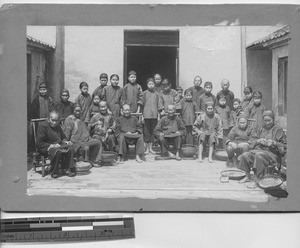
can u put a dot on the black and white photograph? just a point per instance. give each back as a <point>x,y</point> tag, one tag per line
<point>175,112</point>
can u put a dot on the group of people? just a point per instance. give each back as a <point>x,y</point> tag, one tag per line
<point>108,119</point>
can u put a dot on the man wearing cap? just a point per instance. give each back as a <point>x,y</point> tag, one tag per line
<point>41,105</point>
<point>197,90</point>
<point>51,141</point>
<point>105,133</point>
<point>103,78</point>
<point>129,131</point>
<point>208,129</point>
<point>239,139</point>
<point>64,107</point>
<point>170,130</point>
<point>267,151</point>
<point>77,132</point>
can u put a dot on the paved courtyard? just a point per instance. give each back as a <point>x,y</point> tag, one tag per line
<point>186,179</point>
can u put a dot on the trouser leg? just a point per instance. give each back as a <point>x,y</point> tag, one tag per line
<point>246,161</point>
<point>163,145</point>
<point>55,162</point>
<point>122,145</point>
<point>139,146</point>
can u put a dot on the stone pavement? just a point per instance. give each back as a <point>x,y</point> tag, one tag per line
<point>186,179</point>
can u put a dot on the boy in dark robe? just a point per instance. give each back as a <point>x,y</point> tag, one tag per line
<point>188,114</point>
<point>93,109</point>
<point>229,96</point>
<point>132,93</point>
<point>255,111</point>
<point>236,112</point>
<point>51,142</point>
<point>247,101</point>
<point>170,130</point>
<point>179,90</point>
<point>42,104</point>
<point>103,78</point>
<point>112,94</point>
<point>64,107</point>
<point>169,97</point>
<point>267,150</point>
<point>208,128</point>
<point>152,105</point>
<point>224,112</point>
<point>207,96</point>
<point>84,100</point>
<point>197,89</point>
<point>129,131</point>
<point>157,80</point>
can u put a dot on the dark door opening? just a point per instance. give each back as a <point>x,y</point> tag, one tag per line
<point>151,51</point>
<point>147,61</point>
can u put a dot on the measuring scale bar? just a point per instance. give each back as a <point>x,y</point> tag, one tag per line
<point>66,229</point>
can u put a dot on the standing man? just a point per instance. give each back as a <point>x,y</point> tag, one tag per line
<point>103,78</point>
<point>170,129</point>
<point>52,142</point>
<point>197,90</point>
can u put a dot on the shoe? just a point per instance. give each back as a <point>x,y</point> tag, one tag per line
<point>70,173</point>
<point>178,158</point>
<point>54,175</point>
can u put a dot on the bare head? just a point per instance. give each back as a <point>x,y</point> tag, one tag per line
<point>103,107</point>
<point>53,118</point>
<point>126,110</point>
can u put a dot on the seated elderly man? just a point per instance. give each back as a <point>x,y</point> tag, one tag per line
<point>77,132</point>
<point>128,132</point>
<point>102,127</point>
<point>170,130</point>
<point>267,150</point>
<point>239,139</point>
<point>51,142</point>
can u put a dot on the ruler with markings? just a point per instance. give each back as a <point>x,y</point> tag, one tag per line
<point>46,229</point>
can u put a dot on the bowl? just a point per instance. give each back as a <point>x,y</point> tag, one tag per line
<point>108,157</point>
<point>188,151</point>
<point>82,167</point>
<point>221,155</point>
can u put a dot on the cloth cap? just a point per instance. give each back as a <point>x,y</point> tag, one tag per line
<point>209,104</point>
<point>208,84</point>
<point>131,73</point>
<point>247,90</point>
<point>82,84</point>
<point>103,75</point>
<point>165,82</point>
<point>64,91</point>
<point>222,96</point>
<point>269,113</point>
<point>179,88</point>
<point>42,85</point>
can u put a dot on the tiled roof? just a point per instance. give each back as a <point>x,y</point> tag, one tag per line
<point>39,43</point>
<point>277,34</point>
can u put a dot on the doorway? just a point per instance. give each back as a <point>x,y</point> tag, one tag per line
<point>148,52</point>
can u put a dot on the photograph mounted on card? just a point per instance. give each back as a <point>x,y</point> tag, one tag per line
<point>185,111</point>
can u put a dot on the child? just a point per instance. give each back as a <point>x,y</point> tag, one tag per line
<point>255,111</point>
<point>208,128</point>
<point>64,107</point>
<point>103,78</point>
<point>99,132</point>
<point>93,109</point>
<point>188,115</point>
<point>158,86</point>
<point>152,106</point>
<point>132,93</point>
<point>169,96</point>
<point>236,112</point>
<point>180,93</point>
<point>197,89</point>
<point>207,96</point>
<point>112,95</point>
<point>247,101</point>
<point>224,112</point>
<point>42,104</point>
<point>227,93</point>
<point>84,100</point>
